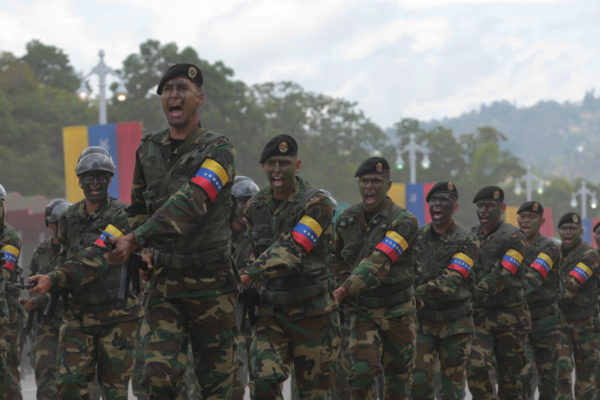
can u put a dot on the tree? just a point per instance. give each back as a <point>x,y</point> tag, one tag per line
<point>50,66</point>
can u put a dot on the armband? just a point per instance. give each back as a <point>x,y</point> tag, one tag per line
<point>211,177</point>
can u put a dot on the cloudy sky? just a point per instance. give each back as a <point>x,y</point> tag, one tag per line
<point>396,58</point>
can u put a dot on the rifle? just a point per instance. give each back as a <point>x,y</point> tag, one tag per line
<point>130,275</point>
<point>248,299</point>
<point>26,331</point>
<point>55,294</point>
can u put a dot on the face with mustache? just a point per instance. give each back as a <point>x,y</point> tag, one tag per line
<point>441,208</point>
<point>530,223</point>
<point>281,174</point>
<point>373,189</point>
<point>489,213</point>
<point>570,234</point>
<point>95,186</point>
<point>180,101</point>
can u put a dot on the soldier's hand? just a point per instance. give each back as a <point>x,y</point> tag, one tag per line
<point>123,247</point>
<point>44,283</point>
<point>246,280</point>
<point>146,254</point>
<point>27,304</point>
<point>339,294</point>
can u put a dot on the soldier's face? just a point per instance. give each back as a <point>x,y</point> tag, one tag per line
<point>570,234</point>
<point>180,101</point>
<point>281,172</point>
<point>441,208</point>
<point>530,223</point>
<point>489,213</point>
<point>597,237</point>
<point>95,186</point>
<point>373,189</point>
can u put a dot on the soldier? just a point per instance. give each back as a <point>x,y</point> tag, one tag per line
<point>373,247</point>
<point>445,254</point>
<point>542,257</point>
<point>181,203</point>
<point>289,225</point>
<point>579,271</point>
<point>47,255</point>
<point>500,312</point>
<point>97,336</point>
<point>10,246</point>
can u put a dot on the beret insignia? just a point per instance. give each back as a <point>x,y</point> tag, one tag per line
<point>575,218</point>
<point>283,147</point>
<point>379,167</point>
<point>192,72</point>
<point>450,186</point>
<point>535,206</point>
<point>496,194</point>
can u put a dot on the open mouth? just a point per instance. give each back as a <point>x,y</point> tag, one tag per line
<point>277,181</point>
<point>435,215</point>
<point>370,198</point>
<point>175,111</point>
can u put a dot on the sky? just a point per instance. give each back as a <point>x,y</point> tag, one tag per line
<point>421,59</point>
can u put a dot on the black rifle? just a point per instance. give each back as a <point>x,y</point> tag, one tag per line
<point>248,299</point>
<point>130,275</point>
<point>55,295</point>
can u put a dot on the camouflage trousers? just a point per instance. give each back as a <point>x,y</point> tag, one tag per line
<point>382,345</point>
<point>3,350</point>
<point>11,388</point>
<point>45,349</point>
<point>579,349</point>
<point>341,389</point>
<point>104,352</point>
<point>543,347</point>
<point>310,344</point>
<point>453,352</point>
<point>242,362</point>
<point>506,348</point>
<point>169,325</point>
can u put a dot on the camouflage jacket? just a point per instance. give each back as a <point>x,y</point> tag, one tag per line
<point>444,265</point>
<point>374,259</point>
<point>94,295</point>
<point>579,270</point>
<point>542,258</point>
<point>10,244</point>
<point>290,239</point>
<point>46,257</point>
<point>241,249</point>
<point>181,206</point>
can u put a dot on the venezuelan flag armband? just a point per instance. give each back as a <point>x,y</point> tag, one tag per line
<point>211,177</point>
<point>581,273</point>
<point>512,260</point>
<point>462,264</point>
<point>392,245</point>
<point>110,232</point>
<point>306,232</point>
<point>542,264</point>
<point>11,255</point>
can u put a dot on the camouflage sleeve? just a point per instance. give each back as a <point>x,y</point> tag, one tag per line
<point>547,258</point>
<point>12,249</point>
<point>588,265</point>
<point>184,210</point>
<point>453,277</point>
<point>39,301</point>
<point>504,269</point>
<point>136,214</point>
<point>81,268</point>
<point>372,270</point>
<point>341,270</point>
<point>290,248</point>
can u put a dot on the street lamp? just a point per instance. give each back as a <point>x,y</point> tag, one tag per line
<point>102,71</point>
<point>412,148</point>
<point>528,179</point>
<point>584,192</point>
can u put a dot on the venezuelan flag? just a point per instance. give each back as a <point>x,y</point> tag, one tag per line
<point>581,272</point>
<point>511,260</point>
<point>121,140</point>
<point>392,245</point>
<point>542,264</point>
<point>11,255</point>
<point>211,177</point>
<point>109,232</point>
<point>412,197</point>
<point>306,232</point>
<point>461,263</point>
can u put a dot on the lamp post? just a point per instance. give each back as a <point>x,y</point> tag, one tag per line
<point>528,178</point>
<point>102,71</point>
<point>584,192</point>
<point>412,148</point>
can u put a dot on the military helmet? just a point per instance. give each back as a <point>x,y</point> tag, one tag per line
<point>95,161</point>
<point>2,194</point>
<point>239,178</point>
<point>57,211</point>
<point>93,149</point>
<point>244,188</point>
<point>49,207</point>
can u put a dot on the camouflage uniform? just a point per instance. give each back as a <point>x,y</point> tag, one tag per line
<point>579,270</point>
<point>11,387</point>
<point>445,330</point>
<point>374,259</point>
<point>542,257</point>
<point>182,194</point>
<point>501,314</point>
<point>45,258</point>
<point>296,321</point>
<point>97,336</point>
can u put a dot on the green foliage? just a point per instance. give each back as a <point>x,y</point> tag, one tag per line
<point>50,66</point>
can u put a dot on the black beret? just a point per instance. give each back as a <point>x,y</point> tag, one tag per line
<point>373,165</point>
<point>489,193</point>
<point>596,226</point>
<point>189,71</point>
<point>280,145</point>
<point>443,187</point>
<point>571,217</point>
<point>531,206</point>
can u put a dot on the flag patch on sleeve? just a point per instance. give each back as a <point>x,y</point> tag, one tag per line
<point>461,263</point>
<point>211,177</point>
<point>307,232</point>
<point>581,272</point>
<point>542,264</point>
<point>110,232</point>
<point>11,255</point>
<point>511,260</point>
<point>392,245</point>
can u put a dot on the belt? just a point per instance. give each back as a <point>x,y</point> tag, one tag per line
<point>294,296</point>
<point>387,301</point>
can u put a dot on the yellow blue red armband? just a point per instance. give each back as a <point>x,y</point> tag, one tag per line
<point>306,232</point>
<point>392,245</point>
<point>581,272</point>
<point>11,255</point>
<point>462,264</point>
<point>512,260</point>
<point>211,177</point>
<point>542,264</point>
